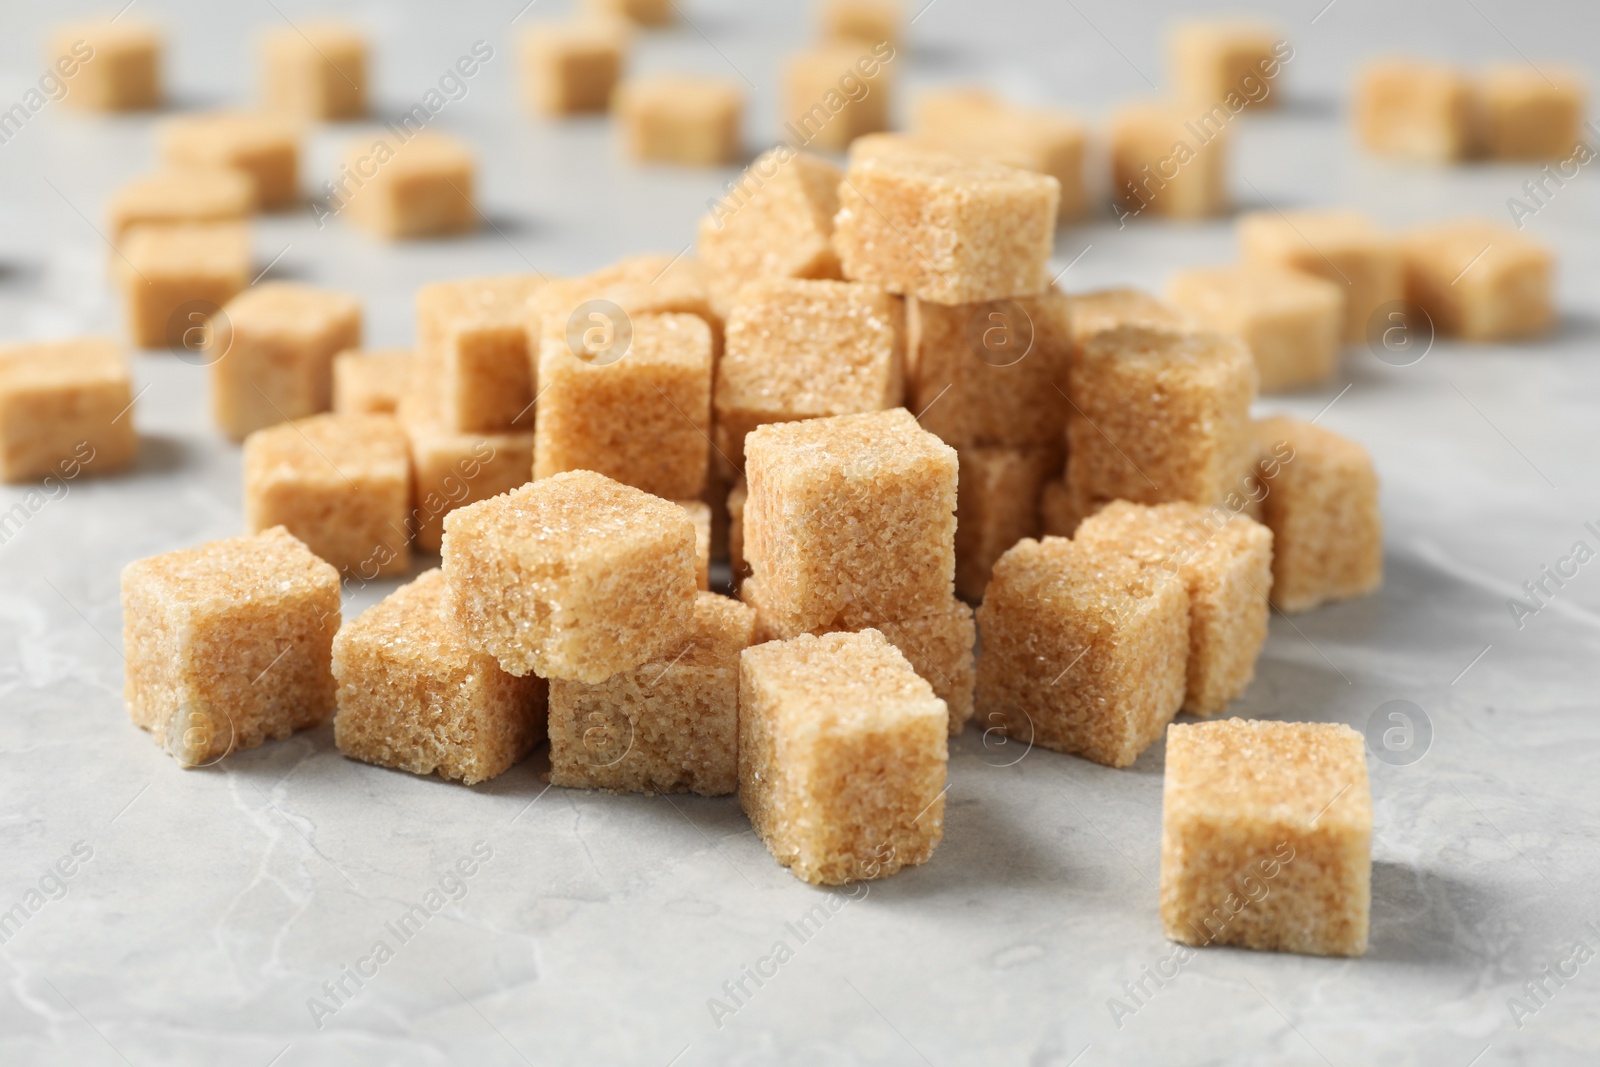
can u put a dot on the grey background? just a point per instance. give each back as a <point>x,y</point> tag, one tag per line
<point>218,901</point>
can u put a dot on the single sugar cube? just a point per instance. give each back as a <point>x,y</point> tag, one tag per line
<point>474,350</point>
<point>936,228</point>
<point>805,349</point>
<point>850,520</point>
<point>1322,509</point>
<point>997,506</point>
<point>640,415</point>
<point>229,644</point>
<point>450,470</point>
<point>680,118</point>
<point>173,278</point>
<point>640,12</point>
<point>413,694</point>
<point>667,726</point>
<point>1159,417</point>
<point>176,196</point>
<point>316,69</point>
<point>1292,321</point>
<point>371,382</point>
<point>401,189</point>
<point>833,94</point>
<point>265,147</point>
<point>1414,110</point>
<point>1343,247</point>
<point>574,576</point>
<point>109,64</point>
<point>700,514</point>
<point>340,483</point>
<point>1224,562</point>
<point>272,352</point>
<point>66,408</point>
<point>1480,280</point>
<point>1168,161</point>
<point>862,22</point>
<point>1232,62</point>
<point>1266,837</point>
<point>842,756</point>
<point>1084,650</point>
<point>1106,309</point>
<point>1531,114</point>
<point>572,67</point>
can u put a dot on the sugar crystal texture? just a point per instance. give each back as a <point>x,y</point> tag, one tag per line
<point>475,350</point>
<point>66,409</point>
<point>450,470</point>
<point>700,514</point>
<point>1106,309</point>
<point>997,506</point>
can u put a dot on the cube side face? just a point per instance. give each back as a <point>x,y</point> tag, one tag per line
<point>940,649</point>
<point>781,228</point>
<point>1296,349</point>
<point>436,203</point>
<point>1480,285</point>
<point>997,506</point>
<point>1422,114</point>
<point>66,430</point>
<point>1149,174</point>
<point>117,76</point>
<point>450,471</point>
<point>151,302</point>
<point>1534,123</point>
<point>1228,615</point>
<point>358,524</point>
<point>487,379</point>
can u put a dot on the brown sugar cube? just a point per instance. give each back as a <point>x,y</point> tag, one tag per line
<point>229,644</point>
<point>700,514</point>
<point>777,222</point>
<point>1084,651</point>
<point>667,726</point>
<point>1322,509</point>
<point>842,756</point>
<point>450,470</point>
<point>474,353</point>
<point>833,94</point>
<point>1530,114</point>
<point>680,118</point>
<point>850,520</point>
<point>1266,837</point>
<point>574,576</point>
<point>173,278</point>
<point>1232,62</point>
<point>942,230</point>
<point>1060,509</point>
<point>371,382</point>
<point>1224,562</point>
<point>1107,309</point>
<point>176,196</point>
<point>990,373</point>
<point>997,506</point>
<point>1292,321</point>
<point>1414,110</point>
<point>804,349</point>
<point>637,285</point>
<point>1480,280</point>
<point>1169,162</point>
<point>265,147</point>
<point>272,354</point>
<point>1159,417</point>
<point>108,65</point>
<point>414,695</point>
<point>640,12</point>
<point>737,496</point>
<point>572,67</point>
<point>638,410</point>
<point>316,69</point>
<point>65,409</point>
<point>340,483</point>
<point>405,188</point>
<point>864,22</point>
<point>1344,247</point>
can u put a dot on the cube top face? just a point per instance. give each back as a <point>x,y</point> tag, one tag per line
<point>328,451</point>
<point>840,683</point>
<point>292,310</point>
<point>1177,538</point>
<point>414,625</point>
<point>1107,309</point>
<point>1100,590</point>
<point>1181,362</point>
<point>589,34</point>
<point>198,194</point>
<point>782,227</point>
<point>668,342</point>
<point>1474,252</point>
<point>870,446</point>
<point>186,250</point>
<point>113,37</point>
<point>227,136</point>
<point>494,302</point>
<point>317,40</point>
<point>371,382</point>
<point>426,155</point>
<point>50,365</point>
<point>721,629</point>
<point>1237,293</point>
<point>264,569</point>
<point>681,97</point>
<point>639,285</point>
<point>1308,235</point>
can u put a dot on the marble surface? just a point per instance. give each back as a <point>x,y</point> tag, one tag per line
<point>206,910</point>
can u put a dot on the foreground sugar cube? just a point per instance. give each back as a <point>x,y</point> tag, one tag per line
<point>1343,247</point>
<point>805,349</point>
<point>1106,309</point>
<point>272,354</point>
<point>66,408</point>
<point>685,119</point>
<point>411,187</point>
<point>1530,114</point>
<point>1169,163</point>
<point>229,644</point>
<point>835,93</point>
<point>572,67</point>
<point>642,12</point>
<point>862,22</point>
<point>1292,321</point>
<point>108,65</point>
<point>1224,562</point>
<point>450,470</point>
<point>316,69</point>
<point>1480,280</point>
<point>997,506</point>
<point>1084,650</point>
<point>1322,509</point>
<point>172,278</point>
<point>1266,837</point>
<point>177,196</point>
<point>643,418</point>
<point>850,520</point>
<point>842,755</point>
<point>413,694</point>
<point>1159,417</point>
<point>1415,110</point>
<point>340,483</point>
<point>1233,62</point>
<point>933,227</point>
<point>667,726</point>
<point>265,147</point>
<point>371,382</point>
<point>474,352</point>
<point>574,577</point>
